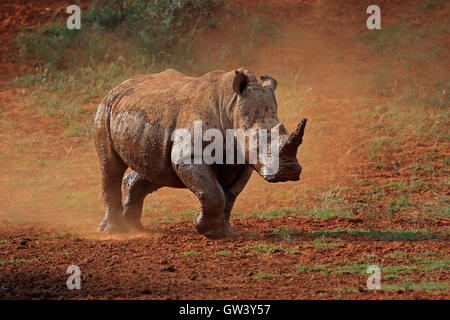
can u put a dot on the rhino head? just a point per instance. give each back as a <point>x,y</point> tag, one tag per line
<point>256,108</point>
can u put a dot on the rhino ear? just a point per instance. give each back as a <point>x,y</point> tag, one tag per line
<point>269,82</point>
<point>240,82</point>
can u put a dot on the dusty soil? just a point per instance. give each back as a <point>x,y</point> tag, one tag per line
<point>171,261</point>
<point>156,264</point>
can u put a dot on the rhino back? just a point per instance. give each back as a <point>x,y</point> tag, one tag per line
<point>149,108</point>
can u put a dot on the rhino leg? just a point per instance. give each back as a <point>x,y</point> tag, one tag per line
<point>136,188</point>
<point>232,188</point>
<point>202,181</point>
<point>112,168</point>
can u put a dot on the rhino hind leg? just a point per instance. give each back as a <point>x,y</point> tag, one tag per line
<point>201,180</point>
<point>112,168</point>
<point>136,188</point>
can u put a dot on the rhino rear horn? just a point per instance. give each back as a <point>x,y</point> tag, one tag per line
<point>294,139</point>
<point>269,82</point>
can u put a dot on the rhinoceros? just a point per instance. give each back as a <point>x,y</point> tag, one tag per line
<point>134,126</point>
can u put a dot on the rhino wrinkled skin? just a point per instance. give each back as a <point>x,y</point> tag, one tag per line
<point>133,129</point>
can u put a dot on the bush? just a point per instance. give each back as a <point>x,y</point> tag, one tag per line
<point>118,39</point>
<point>150,28</point>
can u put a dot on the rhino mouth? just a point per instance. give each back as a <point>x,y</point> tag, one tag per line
<point>274,179</point>
<point>287,172</point>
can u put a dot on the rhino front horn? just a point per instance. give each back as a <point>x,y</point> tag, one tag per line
<point>294,140</point>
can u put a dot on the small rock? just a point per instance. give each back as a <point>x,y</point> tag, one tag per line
<point>169,269</point>
<point>320,291</point>
<point>24,241</point>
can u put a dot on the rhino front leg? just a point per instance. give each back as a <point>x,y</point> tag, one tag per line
<point>136,188</point>
<point>201,180</point>
<point>232,184</point>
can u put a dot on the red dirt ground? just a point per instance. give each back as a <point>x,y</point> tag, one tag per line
<point>171,261</point>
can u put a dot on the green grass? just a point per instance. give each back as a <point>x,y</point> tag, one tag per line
<point>428,253</point>
<point>17,260</point>
<point>332,204</point>
<point>432,286</point>
<point>58,235</point>
<point>384,235</point>
<point>428,264</point>
<point>397,254</point>
<point>276,213</point>
<point>402,202</point>
<point>438,208</point>
<point>190,253</point>
<point>397,196</point>
<point>287,235</point>
<point>223,253</point>
<point>3,241</point>
<point>346,289</point>
<point>404,119</point>
<point>269,213</point>
<point>404,33</point>
<point>391,271</point>
<point>250,34</point>
<point>417,286</point>
<point>187,214</point>
<point>362,182</point>
<point>327,237</point>
<point>324,242</point>
<point>401,107</point>
<point>264,275</point>
<point>309,268</point>
<point>401,235</point>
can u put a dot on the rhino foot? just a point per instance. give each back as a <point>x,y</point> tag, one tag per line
<point>214,229</point>
<point>134,225</point>
<point>228,231</point>
<point>110,226</point>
